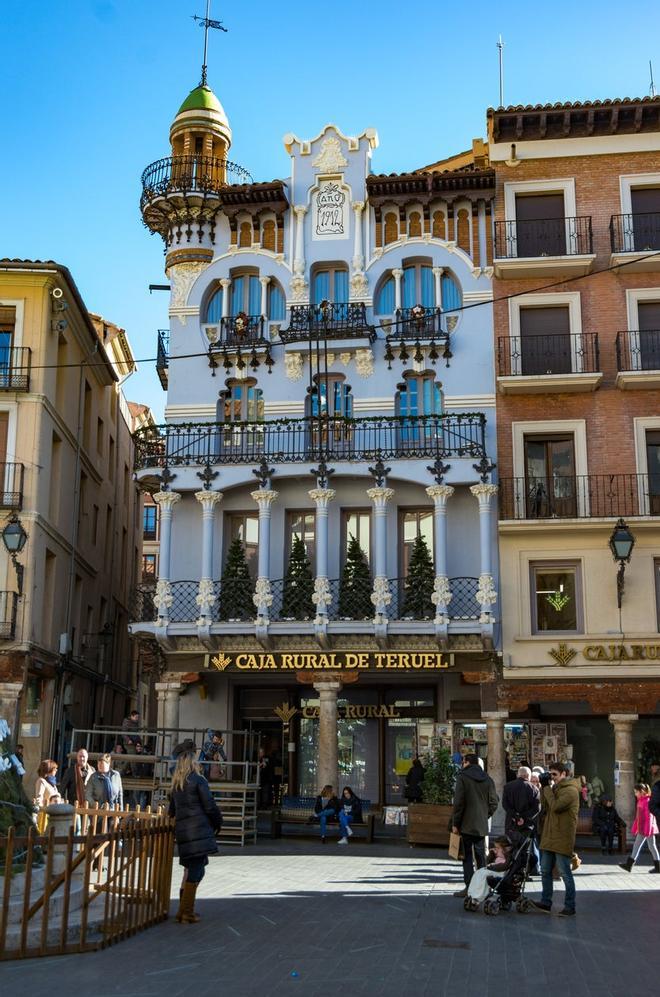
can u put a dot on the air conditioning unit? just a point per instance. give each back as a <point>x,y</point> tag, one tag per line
<point>65,644</point>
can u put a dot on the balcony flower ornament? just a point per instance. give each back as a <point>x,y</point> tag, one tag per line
<point>321,597</point>
<point>163,597</point>
<point>486,597</point>
<point>441,596</point>
<point>381,595</point>
<point>205,598</point>
<point>418,315</point>
<point>241,323</point>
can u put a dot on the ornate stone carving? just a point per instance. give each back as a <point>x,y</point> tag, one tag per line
<point>167,500</point>
<point>182,276</point>
<point>322,496</point>
<point>294,366</point>
<point>163,597</point>
<point>381,595</point>
<point>359,284</point>
<point>205,598</point>
<point>452,321</point>
<point>265,497</point>
<point>441,595</point>
<point>321,597</point>
<point>330,159</point>
<point>208,499</point>
<point>486,597</point>
<point>345,358</point>
<point>263,595</point>
<point>483,492</point>
<point>364,362</point>
<point>380,496</point>
<point>440,493</point>
<point>299,288</point>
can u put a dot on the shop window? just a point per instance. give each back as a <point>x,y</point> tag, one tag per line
<point>303,525</point>
<point>245,526</point>
<point>550,482</point>
<point>357,523</point>
<point>414,523</point>
<point>357,742</point>
<point>556,598</point>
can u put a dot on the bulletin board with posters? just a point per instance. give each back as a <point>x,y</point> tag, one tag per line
<point>548,742</point>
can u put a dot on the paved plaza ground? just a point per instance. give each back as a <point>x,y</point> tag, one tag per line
<point>376,919</point>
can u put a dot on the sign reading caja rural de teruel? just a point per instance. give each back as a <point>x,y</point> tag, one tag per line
<point>332,661</point>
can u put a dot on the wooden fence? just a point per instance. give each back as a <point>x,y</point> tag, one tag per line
<point>69,892</point>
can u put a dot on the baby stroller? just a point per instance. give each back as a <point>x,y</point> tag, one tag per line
<point>509,888</point>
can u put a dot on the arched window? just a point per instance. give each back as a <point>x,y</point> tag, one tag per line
<point>245,295</point>
<point>414,224</point>
<point>417,288</point>
<point>330,284</point>
<point>419,394</point>
<point>242,402</point>
<point>214,307</point>
<point>391,228</point>
<point>268,240</point>
<point>276,302</point>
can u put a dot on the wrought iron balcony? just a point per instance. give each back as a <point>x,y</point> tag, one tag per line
<point>189,174</point>
<point>540,237</point>
<point>463,605</point>
<point>163,357</point>
<point>338,320</point>
<point>518,356</point>
<point>8,608</point>
<point>635,233</point>
<point>15,364</point>
<point>638,349</point>
<point>237,330</point>
<point>418,323</point>
<point>301,440</point>
<point>11,485</point>
<point>587,496</point>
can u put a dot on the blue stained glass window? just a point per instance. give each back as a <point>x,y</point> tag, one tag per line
<point>276,303</point>
<point>214,307</point>
<point>341,285</point>
<point>385,298</point>
<point>321,289</point>
<point>237,291</point>
<point>409,288</point>
<point>451,294</point>
<point>428,287</point>
<point>254,297</point>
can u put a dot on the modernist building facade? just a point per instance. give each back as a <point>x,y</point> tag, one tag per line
<point>329,373</point>
<point>577,314</point>
<point>66,460</point>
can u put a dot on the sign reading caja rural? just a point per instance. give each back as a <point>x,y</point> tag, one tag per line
<point>332,661</point>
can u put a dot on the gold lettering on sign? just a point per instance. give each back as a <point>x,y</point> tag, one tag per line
<point>333,661</point>
<point>354,712</point>
<point>564,654</point>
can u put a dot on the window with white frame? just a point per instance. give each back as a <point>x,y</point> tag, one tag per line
<point>638,227</point>
<point>545,335</point>
<point>556,595</point>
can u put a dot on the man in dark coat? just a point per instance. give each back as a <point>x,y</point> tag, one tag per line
<point>475,802</point>
<point>414,780</point>
<point>522,804</point>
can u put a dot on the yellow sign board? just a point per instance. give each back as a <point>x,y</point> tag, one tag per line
<point>333,661</point>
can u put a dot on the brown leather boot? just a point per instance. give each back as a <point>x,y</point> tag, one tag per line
<point>186,912</point>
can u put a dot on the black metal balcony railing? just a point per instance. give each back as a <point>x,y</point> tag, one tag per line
<point>552,354</point>
<point>417,323</point>
<point>638,349</point>
<point>163,356</point>
<point>300,440</point>
<point>515,240</point>
<point>241,330</point>
<point>11,485</point>
<point>635,233</point>
<point>8,607</point>
<point>234,601</point>
<point>15,364</point>
<point>587,496</point>
<point>338,320</point>
<point>184,174</point>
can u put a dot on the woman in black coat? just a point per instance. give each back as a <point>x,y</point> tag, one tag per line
<point>196,821</point>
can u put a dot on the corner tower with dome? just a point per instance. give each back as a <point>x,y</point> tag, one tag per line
<point>324,473</point>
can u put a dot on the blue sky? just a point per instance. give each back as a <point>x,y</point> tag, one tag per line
<point>89,89</point>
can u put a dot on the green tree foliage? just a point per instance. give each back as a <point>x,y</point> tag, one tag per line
<point>355,585</point>
<point>298,585</point>
<point>237,588</point>
<point>439,777</point>
<point>418,587</point>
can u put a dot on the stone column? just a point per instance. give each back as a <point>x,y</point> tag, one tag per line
<point>358,256</point>
<point>163,597</point>
<point>437,279</point>
<point>328,751</point>
<point>263,598</point>
<point>483,244</point>
<point>397,274</point>
<point>300,210</point>
<point>225,283</point>
<point>264,281</point>
<point>486,594</point>
<point>322,596</point>
<point>624,796</point>
<point>441,591</point>
<point>206,596</point>
<point>61,816</point>
<point>167,695</point>
<point>496,761</point>
<point>381,596</point>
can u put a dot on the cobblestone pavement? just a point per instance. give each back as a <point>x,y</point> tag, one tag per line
<point>376,920</point>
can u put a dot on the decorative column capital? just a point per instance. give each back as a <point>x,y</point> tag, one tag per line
<point>495,716</point>
<point>358,207</point>
<point>484,492</point>
<point>329,687</point>
<point>300,211</point>
<point>623,719</point>
<point>437,271</point>
<point>264,281</point>
<point>167,500</point>
<point>322,496</point>
<point>225,282</point>
<point>264,497</point>
<point>440,494</point>
<point>397,273</point>
<point>209,499</point>
<point>380,495</point>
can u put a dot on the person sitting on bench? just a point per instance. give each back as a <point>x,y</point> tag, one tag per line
<point>351,810</point>
<point>327,805</point>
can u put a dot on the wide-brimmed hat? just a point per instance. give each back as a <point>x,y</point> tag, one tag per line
<point>185,746</point>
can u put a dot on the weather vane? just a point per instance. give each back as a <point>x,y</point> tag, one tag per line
<point>206,23</point>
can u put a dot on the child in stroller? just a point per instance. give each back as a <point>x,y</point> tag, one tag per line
<point>502,883</point>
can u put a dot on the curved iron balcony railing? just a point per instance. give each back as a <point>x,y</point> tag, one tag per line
<point>638,349</point>
<point>417,323</point>
<point>635,233</point>
<point>331,320</point>
<point>581,496</point>
<point>301,440</point>
<point>559,353</point>
<point>539,237</point>
<point>238,330</point>
<point>233,602</point>
<point>183,174</point>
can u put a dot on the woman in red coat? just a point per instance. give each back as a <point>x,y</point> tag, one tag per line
<point>645,828</point>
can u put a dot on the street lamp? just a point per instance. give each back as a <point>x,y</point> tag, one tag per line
<point>621,544</point>
<point>14,538</point>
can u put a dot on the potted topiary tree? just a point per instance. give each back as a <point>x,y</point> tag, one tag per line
<point>429,822</point>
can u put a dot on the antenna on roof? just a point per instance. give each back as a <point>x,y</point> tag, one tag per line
<point>206,23</point>
<point>500,47</point>
<point>652,89</point>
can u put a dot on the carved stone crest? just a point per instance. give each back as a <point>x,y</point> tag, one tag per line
<point>330,158</point>
<point>182,277</point>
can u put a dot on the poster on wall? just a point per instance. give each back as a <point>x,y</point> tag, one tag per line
<point>403,753</point>
<point>558,731</point>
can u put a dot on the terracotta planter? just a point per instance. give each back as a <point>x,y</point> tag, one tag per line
<point>428,823</point>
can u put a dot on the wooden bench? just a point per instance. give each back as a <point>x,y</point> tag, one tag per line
<point>299,810</point>
<point>585,830</point>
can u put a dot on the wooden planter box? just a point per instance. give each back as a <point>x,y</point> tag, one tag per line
<point>428,823</point>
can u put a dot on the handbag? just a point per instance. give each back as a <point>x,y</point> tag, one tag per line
<point>455,846</point>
